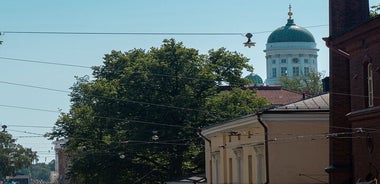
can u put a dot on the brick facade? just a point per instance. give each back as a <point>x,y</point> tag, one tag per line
<point>354,44</point>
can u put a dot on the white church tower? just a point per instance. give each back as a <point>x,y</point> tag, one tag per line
<point>290,51</point>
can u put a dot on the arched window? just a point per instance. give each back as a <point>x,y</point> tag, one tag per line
<point>370,85</point>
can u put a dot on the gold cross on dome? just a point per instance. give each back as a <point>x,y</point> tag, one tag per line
<point>290,12</point>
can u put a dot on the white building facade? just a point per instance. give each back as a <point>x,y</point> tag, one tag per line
<point>290,51</point>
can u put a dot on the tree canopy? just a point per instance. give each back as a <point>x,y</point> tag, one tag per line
<point>137,120</point>
<point>310,83</point>
<point>13,156</point>
<point>374,10</point>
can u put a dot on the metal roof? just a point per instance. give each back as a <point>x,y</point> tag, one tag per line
<point>320,102</point>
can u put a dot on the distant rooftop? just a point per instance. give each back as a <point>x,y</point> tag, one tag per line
<point>276,95</point>
<point>316,103</point>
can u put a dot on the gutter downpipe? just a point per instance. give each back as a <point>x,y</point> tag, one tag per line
<point>266,146</point>
<point>203,137</point>
<point>199,132</point>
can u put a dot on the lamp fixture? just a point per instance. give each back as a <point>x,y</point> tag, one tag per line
<point>249,43</point>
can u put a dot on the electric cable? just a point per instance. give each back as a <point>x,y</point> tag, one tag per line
<point>145,33</point>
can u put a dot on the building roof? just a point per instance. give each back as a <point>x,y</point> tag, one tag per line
<point>277,96</point>
<point>320,102</point>
<point>290,33</point>
<point>317,103</point>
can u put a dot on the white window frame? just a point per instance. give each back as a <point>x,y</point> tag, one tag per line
<point>296,71</point>
<point>284,71</point>
<point>274,72</point>
<point>370,84</point>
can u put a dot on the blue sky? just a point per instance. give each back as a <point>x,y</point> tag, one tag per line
<point>29,111</point>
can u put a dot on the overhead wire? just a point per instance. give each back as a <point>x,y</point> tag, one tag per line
<point>29,108</point>
<point>132,101</point>
<point>65,91</point>
<point>44,62</point>
<point>145,33</point>
<point>127,33</point>
<point>278,137</point>
<point>107,33</point>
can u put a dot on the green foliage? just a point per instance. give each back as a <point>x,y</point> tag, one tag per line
<point>374,10</point>
<point>38,171</point>
<point>310,83</point>
<point>13,156</point>
<point>234,103</point>
<point>163,93</point>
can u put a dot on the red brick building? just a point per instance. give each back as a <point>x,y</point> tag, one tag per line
<point>354,44</point>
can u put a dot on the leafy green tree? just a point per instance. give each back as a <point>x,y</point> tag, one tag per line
<point>136,121</point>
<point>374,10</point>
<point>51,165</point>
<point>310,83</point>
<point>38,171</point>
<point>13,156</point>
<point>234,103</point>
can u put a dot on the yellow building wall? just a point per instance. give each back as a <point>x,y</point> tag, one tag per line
<point>230,147</point>
<point>298,152</point>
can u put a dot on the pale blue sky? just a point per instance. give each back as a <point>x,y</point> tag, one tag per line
<point>164,16</point>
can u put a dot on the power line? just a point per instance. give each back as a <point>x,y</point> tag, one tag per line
<point>29,108</point>
<point>36,87</point>
<point>102,97</point>
<point>132,101</point>
<point>28,126</point>
<point>82,66</point>
<point>127,33</point>
<point>146,33</point>
<point>44,62</point>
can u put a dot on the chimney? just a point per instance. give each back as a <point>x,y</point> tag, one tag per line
<point>345,14</point>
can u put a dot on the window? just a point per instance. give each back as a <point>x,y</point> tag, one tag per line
<point>370,85</point>
<point>274,72</point>
<point>215,174</point>
<point>274,61</point>
<point>295,60</point>
<point>296,71</point>
<point>230,170</point>
<point>259,149</point>
<point>306,61</point>
<point>284,71</point>
<point>306,70</point>
<point>250,170</point>
<point>239,164</point>
<point>283,60</point>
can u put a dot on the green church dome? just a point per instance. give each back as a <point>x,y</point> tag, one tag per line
<point>290,33</point>
<point>254,79</point>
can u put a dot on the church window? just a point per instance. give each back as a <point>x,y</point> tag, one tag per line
<point>306,70</point>
<point>283,60</point>
<point>296,71</point>
<point>370,85</point>
<point>295,60</point>
<point>284,71</point>
<point>274,72</point>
